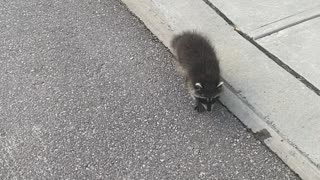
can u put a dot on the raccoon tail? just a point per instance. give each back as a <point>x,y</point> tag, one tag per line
<point>175,40</point>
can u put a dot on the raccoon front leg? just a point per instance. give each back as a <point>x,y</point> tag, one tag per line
<point>199,106</point>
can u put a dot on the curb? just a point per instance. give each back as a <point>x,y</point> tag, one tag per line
<point>261,109</point>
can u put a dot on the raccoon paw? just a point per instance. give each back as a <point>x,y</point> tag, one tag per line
<point>200,108</point>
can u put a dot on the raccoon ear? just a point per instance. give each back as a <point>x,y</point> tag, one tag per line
<point>198,85</point>
<point>220,84</point>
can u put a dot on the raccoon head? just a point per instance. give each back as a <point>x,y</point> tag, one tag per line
<point>208,91</point>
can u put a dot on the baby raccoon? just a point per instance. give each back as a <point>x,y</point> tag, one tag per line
<point>197,61</point>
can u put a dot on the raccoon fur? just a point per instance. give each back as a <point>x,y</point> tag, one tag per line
<point>197,61</point>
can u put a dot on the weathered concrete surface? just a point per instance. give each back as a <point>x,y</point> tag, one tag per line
<point>87,92</point>
<point>258,91</point>
<point>249,15</point>
<point>285,23</point>
<point>298,47</point>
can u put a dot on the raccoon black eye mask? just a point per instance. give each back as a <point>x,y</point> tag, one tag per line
<point>198,63</point>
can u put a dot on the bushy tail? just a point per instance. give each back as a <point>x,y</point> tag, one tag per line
<point>175,40</point>
<point>184,34</point>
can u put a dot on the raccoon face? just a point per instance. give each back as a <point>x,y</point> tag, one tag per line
<point>209,91</point>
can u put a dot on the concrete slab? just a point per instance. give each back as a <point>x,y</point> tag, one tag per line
<point>265,97</point>
<point>298,47</point>
<point>285,23</point>
<point>249,15</point>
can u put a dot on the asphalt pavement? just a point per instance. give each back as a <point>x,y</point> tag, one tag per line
<point>87,92</point>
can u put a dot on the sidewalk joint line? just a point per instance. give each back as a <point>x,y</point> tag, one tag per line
<point>265,51</point>
<point>268,33</point>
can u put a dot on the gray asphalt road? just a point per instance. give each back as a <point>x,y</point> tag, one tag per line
<point>86,92</point>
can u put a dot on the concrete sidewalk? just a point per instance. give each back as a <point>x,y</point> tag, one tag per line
<point>270,61</point>
<point>87,92</point>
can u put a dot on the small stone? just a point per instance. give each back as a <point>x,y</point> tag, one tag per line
<point>202,174</point>
<point>196,151</point>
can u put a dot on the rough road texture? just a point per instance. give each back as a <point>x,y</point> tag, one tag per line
<point>86,92</point>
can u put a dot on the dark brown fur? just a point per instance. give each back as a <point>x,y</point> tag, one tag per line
<point>197,61</point>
